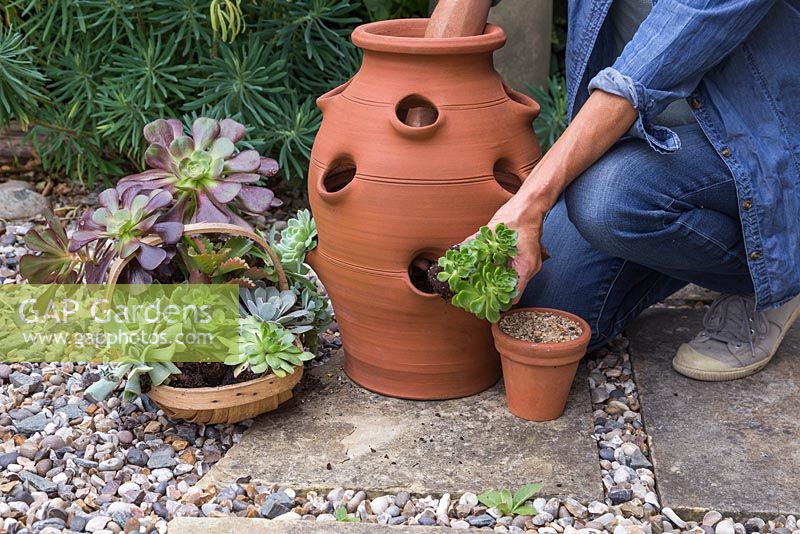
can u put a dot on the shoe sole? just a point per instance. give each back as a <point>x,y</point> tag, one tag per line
<point>737,372</point>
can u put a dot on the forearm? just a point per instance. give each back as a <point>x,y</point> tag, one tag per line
<point>453,18</point>
<point>599,124</point>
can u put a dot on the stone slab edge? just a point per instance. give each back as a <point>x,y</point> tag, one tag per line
<point>205,525</point>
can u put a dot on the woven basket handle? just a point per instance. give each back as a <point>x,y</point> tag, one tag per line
<point>207,228</point>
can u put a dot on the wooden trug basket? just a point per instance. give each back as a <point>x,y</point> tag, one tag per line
<point>224,404</point>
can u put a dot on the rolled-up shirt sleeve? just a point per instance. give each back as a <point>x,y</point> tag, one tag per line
<point>678,42</point>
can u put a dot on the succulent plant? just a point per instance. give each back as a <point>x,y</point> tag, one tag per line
<point>120,224</point>
<point>478,274</point>
<point>211,180</point>
<point>55,263</point>
<point>298,238</point>
<point>230,261</point>
<point>131,373</point>
<point>487,292</point>
<point>266,346</point>
<point>269,304</point>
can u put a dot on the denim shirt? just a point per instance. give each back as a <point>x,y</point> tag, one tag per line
<point>737,62</point>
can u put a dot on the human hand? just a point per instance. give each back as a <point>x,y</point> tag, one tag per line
<point>530,254</point>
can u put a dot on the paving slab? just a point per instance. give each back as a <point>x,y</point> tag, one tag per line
<point>204,525</point>
<point>727,446</point>
<point>334,433</point>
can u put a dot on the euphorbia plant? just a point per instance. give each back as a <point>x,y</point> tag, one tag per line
<point>211,180</point>
<point>477,275</point>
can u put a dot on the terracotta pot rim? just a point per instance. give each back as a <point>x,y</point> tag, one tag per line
<point>229,387</point>
<point>525,346</point>
<point>405,36</point>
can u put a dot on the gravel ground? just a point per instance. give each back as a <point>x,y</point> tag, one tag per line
<point>68,465</point>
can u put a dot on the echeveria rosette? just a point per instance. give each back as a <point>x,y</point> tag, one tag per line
<point>297,239</point>
<point>497,246</point>
<point>210,179</point>
<point>266,346</point>
<point>479,274</point>
<point>121,222</point>
<point>457,264</point>
<point>487,292</point>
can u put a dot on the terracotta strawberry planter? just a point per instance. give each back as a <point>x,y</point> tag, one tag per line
<point>538,376</point>
<point>384,192</point>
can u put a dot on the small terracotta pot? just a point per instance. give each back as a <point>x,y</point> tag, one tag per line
<point>538,376</point>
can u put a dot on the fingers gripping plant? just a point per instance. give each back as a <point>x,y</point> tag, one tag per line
<point>478,274</point>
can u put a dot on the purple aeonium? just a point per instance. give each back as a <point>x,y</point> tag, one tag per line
<point>121,222</point>
<point>210,180</point>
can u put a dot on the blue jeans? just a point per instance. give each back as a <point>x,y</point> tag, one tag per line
<point>636,227</point>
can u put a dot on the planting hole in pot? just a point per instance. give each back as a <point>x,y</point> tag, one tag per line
<point>508,179</point>
<point>418,272</point>
<point>416,112</point>
<point>339,176</point>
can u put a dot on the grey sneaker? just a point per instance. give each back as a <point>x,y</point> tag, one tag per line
<point>736,340</point>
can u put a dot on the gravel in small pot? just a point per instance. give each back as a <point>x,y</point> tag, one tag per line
<point>540,350</point>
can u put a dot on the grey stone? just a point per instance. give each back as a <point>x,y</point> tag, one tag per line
<point>484,520</point>
<point>73,411</point>
<point>5,371</point>
<point>162,457</point>
<point>40,483</point>
<point>21,379</point>
<point>620,495</point>
<point>18,202</point>
<point>376,444</point>
<point>276,505</point>
<point>731,435</point>
<point>8,459</point>
<point>402,498</point>
<point>32,424</point>
<point>137,456</point>
<point>639,460</point>
<point>53,442</point>
<point>204,525</point>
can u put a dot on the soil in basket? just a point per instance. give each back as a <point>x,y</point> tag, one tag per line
<point>204,375</point>
<point>540,327</point>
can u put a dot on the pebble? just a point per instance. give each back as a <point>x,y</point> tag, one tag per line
<point>673,517</point>
<point>712,518</point>
<point>112,464</point>
<point>725,527</point>
<point>125,437</point>
<point>18,201</point>
<point>31,425</point>
<point>401,499</point>
<point>29,449</point>
<point>5,371</point>
<point>161,458</point>
<point>380,504</point>
<point>484,520</point>
<point>137,457</point>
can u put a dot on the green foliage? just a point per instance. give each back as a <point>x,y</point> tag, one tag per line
<point>266,346</point>
<point>396,9</point>
<point>553,120</point>
<point>342,516</point>
<point>479,275</point>
<point>509,504</point>
<point>87,75</point>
